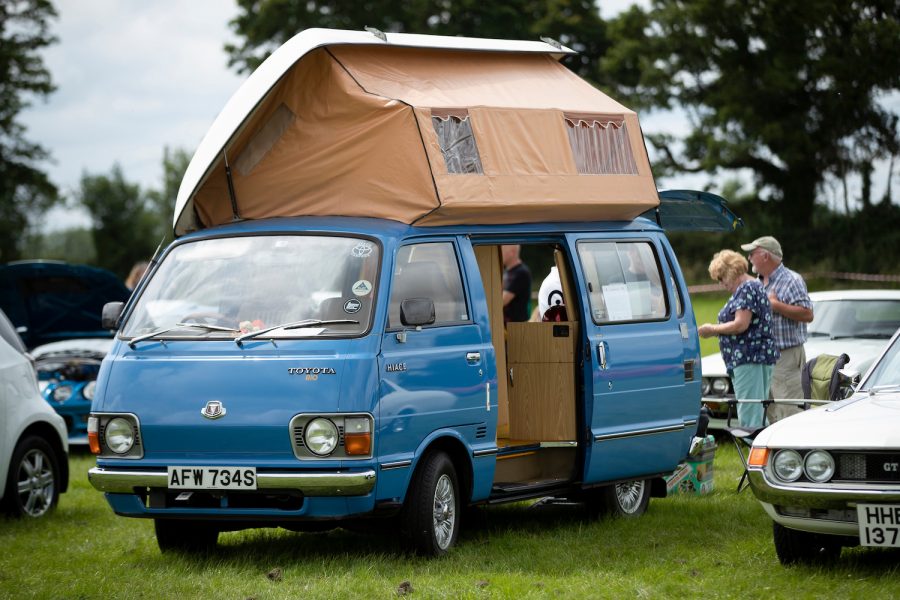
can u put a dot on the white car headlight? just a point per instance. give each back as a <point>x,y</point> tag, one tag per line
<point>706,386</point>
<point>89,390</point>
<point>62,393</point>
<point>119,435</point>
<point>720,386</point>
<point>818,466</point>
<point>320,436</point>
<point>788,465</point>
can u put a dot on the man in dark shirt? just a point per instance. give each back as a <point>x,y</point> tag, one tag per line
<point>516,285</point>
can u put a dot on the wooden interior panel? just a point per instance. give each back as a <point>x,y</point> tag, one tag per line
<point>490,266</point>
<point>542,342</point>
<point>542,401</point>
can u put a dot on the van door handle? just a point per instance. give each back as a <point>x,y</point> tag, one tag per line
<point>601,352</point>
<point>473,358</point>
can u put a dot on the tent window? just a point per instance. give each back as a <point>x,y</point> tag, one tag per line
<point>454,134</point>
<point>600,146</point>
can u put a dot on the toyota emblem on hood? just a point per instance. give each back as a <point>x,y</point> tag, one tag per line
<point>213,410</point>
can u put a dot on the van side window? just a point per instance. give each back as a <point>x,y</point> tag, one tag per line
<point>454,134</point>
<point>679,301</point>
<point>429,271</point>
<point>624,281</point>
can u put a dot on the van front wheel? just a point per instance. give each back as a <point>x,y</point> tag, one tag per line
<point>431,515</point>
<point>185,536</point>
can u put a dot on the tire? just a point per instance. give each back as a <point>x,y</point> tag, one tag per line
<point>32,485</point>
<point>793,546</point>
<point>431,515</point>
<point>185,536</point>
<point>627,500</point>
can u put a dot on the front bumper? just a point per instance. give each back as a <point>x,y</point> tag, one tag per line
<point>333,483</point>
<point>818,508</point>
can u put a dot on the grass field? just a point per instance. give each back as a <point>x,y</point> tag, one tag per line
<point>715,546</point>
<point>706,310</point>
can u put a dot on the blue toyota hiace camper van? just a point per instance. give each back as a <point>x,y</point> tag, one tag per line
<point>324,341</point>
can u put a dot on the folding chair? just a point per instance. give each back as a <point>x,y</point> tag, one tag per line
<point>821,378</point>
<point>743,436</point>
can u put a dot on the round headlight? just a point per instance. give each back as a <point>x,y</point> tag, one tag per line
<point>89,390</point>
<point>62,393</point>
<point>706,386</point>
<point>818,466</point>
<point>720,386</point>
<point>788,465</point>
<point>119,435</point>
<point>321,436</point>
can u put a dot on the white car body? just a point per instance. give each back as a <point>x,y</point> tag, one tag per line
<point>24,412</point>
<point>862,436</point>
<point>862,351</point>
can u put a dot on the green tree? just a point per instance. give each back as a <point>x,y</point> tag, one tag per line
<point>789,90</point>
<point>25,190</point>
<point>162,201</point>
<point>263,26</point>
<point>124,230</point>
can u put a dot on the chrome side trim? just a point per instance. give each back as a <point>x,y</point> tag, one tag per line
<point>562,444</point>
<point>480,453</point>
<point>310,483</point>
<point>395,465</point>
<point>605,437</point>
<point>690,423</point>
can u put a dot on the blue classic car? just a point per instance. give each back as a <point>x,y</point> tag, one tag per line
<point>56,308</point>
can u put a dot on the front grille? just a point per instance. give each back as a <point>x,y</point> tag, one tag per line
<point>875,467</point>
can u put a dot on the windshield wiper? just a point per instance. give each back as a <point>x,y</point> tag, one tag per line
<point>295,325</point>
<point>153,334</point>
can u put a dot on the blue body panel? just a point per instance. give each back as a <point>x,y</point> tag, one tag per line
<point>440,395</point>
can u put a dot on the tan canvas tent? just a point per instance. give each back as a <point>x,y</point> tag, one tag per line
<point>424,130</point>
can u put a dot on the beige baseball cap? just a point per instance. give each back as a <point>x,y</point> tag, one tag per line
<point>767,243</point>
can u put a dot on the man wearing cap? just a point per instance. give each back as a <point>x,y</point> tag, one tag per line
<point>791,311</point>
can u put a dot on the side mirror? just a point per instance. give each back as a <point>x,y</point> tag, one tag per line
<point>112,311</point>
<point>415,312</point>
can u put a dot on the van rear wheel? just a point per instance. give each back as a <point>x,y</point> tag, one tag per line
<point>431,514</point>
<point>185,536</point>
<point>628,499</point>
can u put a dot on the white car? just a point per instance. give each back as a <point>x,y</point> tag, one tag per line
<point>34,465</point>
<point>830,477</point>
<point>857,323</point>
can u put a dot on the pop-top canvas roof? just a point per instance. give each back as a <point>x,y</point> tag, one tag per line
<point>424,130</point>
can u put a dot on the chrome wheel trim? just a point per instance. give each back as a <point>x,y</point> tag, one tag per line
<point>629,495</point>
<point>444,515</point>
<point>35,483</point>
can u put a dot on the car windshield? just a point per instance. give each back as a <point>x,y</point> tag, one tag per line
<point>877,319</point>
<point>886,371</point>
<point>228,287</point>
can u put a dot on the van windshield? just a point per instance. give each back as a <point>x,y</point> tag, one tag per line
<point>230,287</point>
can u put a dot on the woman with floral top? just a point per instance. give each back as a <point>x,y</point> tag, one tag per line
<point>746,336</point>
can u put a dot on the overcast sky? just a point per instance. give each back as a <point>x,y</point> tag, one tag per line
<point>133,77</point>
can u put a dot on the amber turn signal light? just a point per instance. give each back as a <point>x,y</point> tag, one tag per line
<point>93,427</point>
<point>758,457</point>
<point>357,444</point>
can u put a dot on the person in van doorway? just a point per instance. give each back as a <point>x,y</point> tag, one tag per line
<point>791,311</point>
<point>134,276</point>
<point>516,285</point>
<point>746,335</point>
